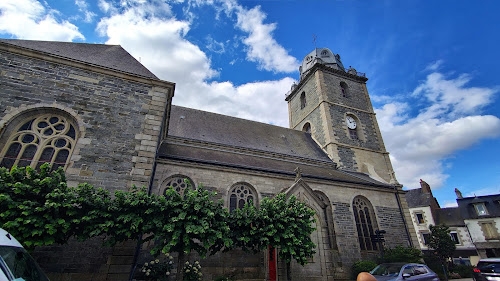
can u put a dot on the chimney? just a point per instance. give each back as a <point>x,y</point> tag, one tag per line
<point>458,193</point>
<point>425,187</point>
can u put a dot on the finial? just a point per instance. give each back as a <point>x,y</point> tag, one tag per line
<point>314,40</point>
<point>298,173</point>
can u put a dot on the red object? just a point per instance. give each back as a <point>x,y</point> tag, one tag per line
<point>477,270</point>
<point>272,264</point>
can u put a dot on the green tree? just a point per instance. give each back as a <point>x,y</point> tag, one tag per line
<point>440,241</point>
<point>287,225</point>
<point>193,222</point>
<point>36,207</point>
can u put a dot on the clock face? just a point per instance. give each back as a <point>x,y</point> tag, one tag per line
<point>351,123</point>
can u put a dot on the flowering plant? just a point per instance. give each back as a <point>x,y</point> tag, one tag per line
<point>158,270</point>
<point>192,272</point>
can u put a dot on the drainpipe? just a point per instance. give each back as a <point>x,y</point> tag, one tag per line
<point>151,181</point>
<point>402,215</point>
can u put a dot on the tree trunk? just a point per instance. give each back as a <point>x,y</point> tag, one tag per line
<point>181,259</point>
<point>288,272</point>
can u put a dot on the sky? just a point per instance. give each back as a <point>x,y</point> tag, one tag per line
<point>432,66</point>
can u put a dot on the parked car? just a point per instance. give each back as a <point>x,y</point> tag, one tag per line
<point>403,271</point>
<point>487,270</point>
<point>15,263</point>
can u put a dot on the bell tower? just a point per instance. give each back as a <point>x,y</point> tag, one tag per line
<point>333,105</point>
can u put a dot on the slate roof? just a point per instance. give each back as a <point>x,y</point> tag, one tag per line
<point>449,217</point>
<point>108,56</point>
<point>418,198</point>
<point>233,142</point>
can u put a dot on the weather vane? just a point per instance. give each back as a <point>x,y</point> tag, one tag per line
<point>314,40</point>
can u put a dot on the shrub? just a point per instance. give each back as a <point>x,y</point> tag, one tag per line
<point>402,254</point>
<point>192,272</point>
<point>362,266</point>
<point>157,270</point>
<point>465,271</point>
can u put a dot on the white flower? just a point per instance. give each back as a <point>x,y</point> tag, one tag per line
<point>146,264</point>
<point>143,270</point>
<point>170,262</point>
<point>147,273</point>
<point>167,273</point>
<point>187,263</point>
<point>170,257</point>
<point>157,261</point>
<point>187,270</point>
<point>197,262</point>
<point>199,274</point>
<point>149,270</point>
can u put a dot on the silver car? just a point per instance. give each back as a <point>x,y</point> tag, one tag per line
<point>403,271</point>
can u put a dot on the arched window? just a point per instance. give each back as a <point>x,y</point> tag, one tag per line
<point>345,89</point>
<point>365,223</point>
<point>179,183</point>
<point>240,194</point>
<point>303,100</point>
<point>306,128</point>
<point>35,140</point>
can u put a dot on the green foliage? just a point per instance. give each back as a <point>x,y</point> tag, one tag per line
<point>192,272</point>
<point>441,242</point>
<point>193,222</point>
<point>287,225</point>
<point>402,254</point>
<point>465,271</point>
<point>434,263</point>
<point>362,266</point>
<point>157,270</point>
<point>37,207</point>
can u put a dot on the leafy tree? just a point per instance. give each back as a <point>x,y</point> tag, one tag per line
<point>287,225</point>
<point>362,266</point>
<point>191,223</point>
<point>36,207</point>
<point>402,254</point>
<point>442,244</point>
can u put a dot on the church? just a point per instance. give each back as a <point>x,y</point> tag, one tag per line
<point>107,120</point>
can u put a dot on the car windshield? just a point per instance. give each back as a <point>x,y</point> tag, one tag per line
<point>19,265</point>
<point>387,269</point>
<point>489,267</point>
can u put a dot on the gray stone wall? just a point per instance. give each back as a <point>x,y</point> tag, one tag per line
<point>367,134</point>
<point>390,220</point>
<point>347,159</point>
<point>355,94</point>
<point>345,230</point>
<point>119,119</point>
<point>312,96</point>
<point>317,123</point>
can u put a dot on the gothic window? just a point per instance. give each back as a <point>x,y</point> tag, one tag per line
<point>303,100</point>
<point>365,223</point>
<point>179,183</point>
<point>35,140</point>
<point>241,194</point>
<point>306,128</point>
<point>344,89</point>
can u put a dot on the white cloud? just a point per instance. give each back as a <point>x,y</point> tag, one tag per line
<point>29,19</point>
<point>483,192</point>
<point>215,46</point>
<point>419,145</point>
<point>449,204</point>
<point>262,47</point>
<point>159,41</point>
<point>83,8</point>
<point>434,66</point>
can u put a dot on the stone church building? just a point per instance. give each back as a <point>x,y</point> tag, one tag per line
<point>96,111</point>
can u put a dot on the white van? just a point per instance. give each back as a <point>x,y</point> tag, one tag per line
<point>15,263</point>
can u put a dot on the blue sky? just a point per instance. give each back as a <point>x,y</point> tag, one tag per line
<point>431,66</point>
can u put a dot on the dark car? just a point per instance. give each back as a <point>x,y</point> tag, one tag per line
<point>487,270</point>
<point>403,271</point>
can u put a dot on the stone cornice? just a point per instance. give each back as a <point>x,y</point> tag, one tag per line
<point>84,65</point>
<point>328,69</point>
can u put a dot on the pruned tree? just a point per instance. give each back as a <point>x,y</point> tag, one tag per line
<point>440,241</point>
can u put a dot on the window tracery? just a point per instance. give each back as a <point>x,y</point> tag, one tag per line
<point>241,194</point>
<point>365,223</point>
<point>179,183</point>
<point>46,138</point>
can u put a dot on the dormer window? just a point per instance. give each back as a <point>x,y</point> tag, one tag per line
<point>480,209</point>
